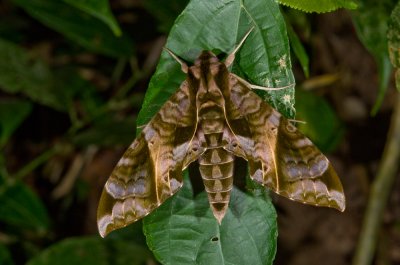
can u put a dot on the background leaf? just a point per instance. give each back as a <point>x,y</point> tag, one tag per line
<point>191,235</point>
<point>80,27</point>
<point>322,125</point>
<point>298,49</point>
<point>107,131</point>
<point>92,251</point>
<point>370,21</point>
<point>21,207</point>
<point>219,26</point>
<point>12,114</point>
<point>5,257</point>
<point>99,9</point>
<point>20,72</point>
<point>319,6</point>
<point>165,14</point>
<point>394,41</point>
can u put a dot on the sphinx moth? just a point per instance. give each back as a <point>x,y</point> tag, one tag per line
<point>214,117</point>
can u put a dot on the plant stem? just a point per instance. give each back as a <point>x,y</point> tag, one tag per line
<point>42,158</point>
<point>380,192</point>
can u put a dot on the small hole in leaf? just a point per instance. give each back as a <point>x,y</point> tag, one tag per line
<point>214,239</point>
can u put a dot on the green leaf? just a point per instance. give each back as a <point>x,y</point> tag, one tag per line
<point>319,6</point>
<point>370,21</point>
<point>322,126</point>
<point>92,251</point>
<point>165,11</point>
<point>184,231</point>
<point>394,42</point>
<point>216,25</point>
<point>21,207</point>
<point>78,26</point>
<point>5,257</point>
<point>12,113</point>
<point>99,9</point>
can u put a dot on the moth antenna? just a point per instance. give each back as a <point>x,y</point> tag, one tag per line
<point>271,88</point>
<point>231,57</point>
<point>184,66</point>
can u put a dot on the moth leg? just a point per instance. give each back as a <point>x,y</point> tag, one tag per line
<point>251,86</point>
<point>270,88</point>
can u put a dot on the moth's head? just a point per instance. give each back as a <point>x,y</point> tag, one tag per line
<point>207,65</point>
<point>206,57</point>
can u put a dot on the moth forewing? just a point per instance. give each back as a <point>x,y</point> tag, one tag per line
<point>150,171</point>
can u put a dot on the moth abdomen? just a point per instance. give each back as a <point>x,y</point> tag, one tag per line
<point>216,169</point>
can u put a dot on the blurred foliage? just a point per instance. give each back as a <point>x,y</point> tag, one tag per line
<point>73,75</point>
<point>371,23</point>
<point>394,42</point>
<point>12,114</point>
<point>165,14</point>
<point>92,250</point>
<point>322,125</point>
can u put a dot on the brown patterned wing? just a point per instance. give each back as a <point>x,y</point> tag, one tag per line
<point>150,171</point>
<point>279,156</point>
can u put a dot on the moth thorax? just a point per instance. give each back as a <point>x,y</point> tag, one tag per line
<point>212,121</point>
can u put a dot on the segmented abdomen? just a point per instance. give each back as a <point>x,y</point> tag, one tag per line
<point>216,165</point>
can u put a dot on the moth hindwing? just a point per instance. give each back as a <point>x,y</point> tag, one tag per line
<point>214,117</point>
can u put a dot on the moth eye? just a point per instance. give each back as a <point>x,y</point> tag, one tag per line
<point>274,130</point>
<point>290,128</point>
<point>194,149</point>
<point>234,144</point>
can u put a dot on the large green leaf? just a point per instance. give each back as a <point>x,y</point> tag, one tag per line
<point>79,26</point>
<point>12,113</point>
<point>22,208</point>
<point>319,6</point>
<point>92,251</point>
<point>219,25</point>
<point>184,231</point>
<point>99,9</point>
<point>370,21</point>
